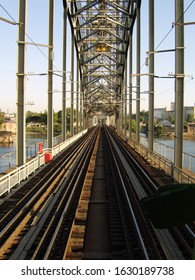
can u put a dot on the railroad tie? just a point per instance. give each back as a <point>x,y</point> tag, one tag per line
<point>75,244</point>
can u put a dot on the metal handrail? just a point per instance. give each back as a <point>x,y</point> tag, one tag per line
<point>168,166</point>
<point>21,173</point>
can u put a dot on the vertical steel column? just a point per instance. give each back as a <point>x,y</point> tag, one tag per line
<point>64,76</point>
<point>77,99</point>
<point>72,82</point>
<point>81,107</point>
<point>179,81</point>
<point>138,77</point>
<point>122,106</point>
<point>84,119</point>
<point>151,77</point>
<point>21,137</point>
<point>130,84</point>
<point>50,77</point>
<point>125,103</point>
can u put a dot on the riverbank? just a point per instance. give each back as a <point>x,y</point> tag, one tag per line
<point>6,137</point>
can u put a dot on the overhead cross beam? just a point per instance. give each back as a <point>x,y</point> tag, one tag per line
<point>101,33</point>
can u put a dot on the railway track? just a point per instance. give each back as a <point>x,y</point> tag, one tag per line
<point>86,205</point>
<point>42,201</point>
<point>130,233</point>
<point>142,180</point>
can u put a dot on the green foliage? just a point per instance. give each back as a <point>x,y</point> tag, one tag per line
<point>1,119</point>
<point>35,129</point>
<point>158,129</point>
<point>59,116</point>
<point>57,128</point>
<point>133,126</point>
<point>41,118</point>
<point>143,116</point>
<point>190,118</point>
<point>172,119</point>
<point>36,117</point>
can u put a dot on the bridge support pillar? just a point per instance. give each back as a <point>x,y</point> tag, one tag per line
<point>50,77</point>
<point>130,83</point>
<point>64,123</point>
<point>179,81</point>
<point>125,101</point>
<point>151,78</point>
<point>81,108</point>
<point>77,99</point>
<point>21,136</point>
<point>138,76</point>
<point>72,88</point>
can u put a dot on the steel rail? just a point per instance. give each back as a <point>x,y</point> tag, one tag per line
<point>165,236</point>
<point>20,216</point>
<point>48,173</point>
<point>61,198</point>
<point>130,208</point>
<point>60,169</point>
<point>83,163</point>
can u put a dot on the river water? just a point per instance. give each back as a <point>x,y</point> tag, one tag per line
<point>8,151</point>
<point>163,146</point>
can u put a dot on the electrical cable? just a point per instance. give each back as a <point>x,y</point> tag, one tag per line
<point>28,36</point>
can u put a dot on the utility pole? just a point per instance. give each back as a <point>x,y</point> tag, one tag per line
<point>179,82</point>
<point>21,135</point>
<point>50,77</point>
<point>151,77</point>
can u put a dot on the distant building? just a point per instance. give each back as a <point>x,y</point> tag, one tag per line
<point>160,113</point>
<point>10,117</point>
<point>189,110</point>
<point>172,106</point>
<point>9,123</point>
<point>163,114</point>
<point>169,114</point>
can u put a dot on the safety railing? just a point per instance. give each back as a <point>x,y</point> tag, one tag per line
<point>168,152</point>
<point>58,148</point>
<point>179,175</point>
<point>19,174</point>
<point>8,160</point>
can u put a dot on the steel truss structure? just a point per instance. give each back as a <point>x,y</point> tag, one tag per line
<point>101,33</point>
<point>102,36</point>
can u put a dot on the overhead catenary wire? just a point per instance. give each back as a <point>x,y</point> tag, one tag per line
<point>168,33</point>
<point>173,26</point>
<point>36,45</point>
<point>8,14</point>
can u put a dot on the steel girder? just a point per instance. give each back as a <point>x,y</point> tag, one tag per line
<point>101,30</point>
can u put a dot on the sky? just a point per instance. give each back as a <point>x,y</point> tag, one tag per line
<point>36,58</point>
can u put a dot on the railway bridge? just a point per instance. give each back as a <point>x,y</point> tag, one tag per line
<point>99,194</point>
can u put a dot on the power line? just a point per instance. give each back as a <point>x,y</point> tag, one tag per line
<point>173,26</point>
<point>8,13</point>
<point>27,35</point>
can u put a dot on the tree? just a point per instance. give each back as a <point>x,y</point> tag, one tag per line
<point>1,118</point>
<point>144,116</point>
<point>190,118</point>
<point>35,119</point>
<point>133,126</point>
<point>172,119</point>
<point>59,116</point>
<point>44,117</point>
